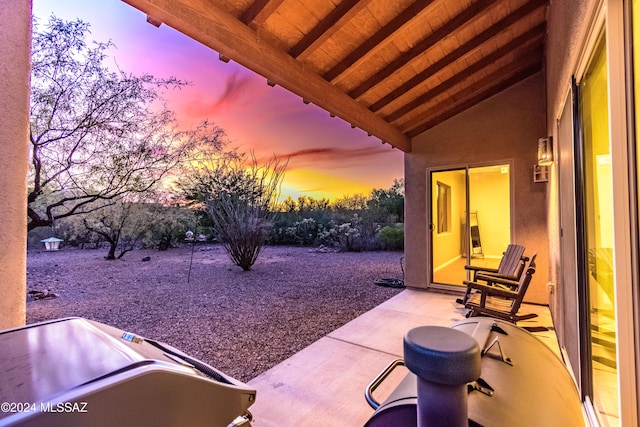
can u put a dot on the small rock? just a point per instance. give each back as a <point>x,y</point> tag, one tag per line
<point>147,258</point>
<point>40,295</point>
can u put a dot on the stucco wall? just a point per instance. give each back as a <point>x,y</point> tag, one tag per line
<point>567,24</point>
<point>15,36</point>
<point>504,128</point>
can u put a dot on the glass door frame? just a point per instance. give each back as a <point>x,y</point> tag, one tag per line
<point>431,221</point>
<point>612,17</point>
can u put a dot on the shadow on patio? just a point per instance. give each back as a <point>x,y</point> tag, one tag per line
<point>324,384</point>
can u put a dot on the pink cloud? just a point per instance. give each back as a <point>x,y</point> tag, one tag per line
<point>329,157</point>
<point>199,101</point>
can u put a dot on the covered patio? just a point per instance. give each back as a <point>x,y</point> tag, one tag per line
<point>324,384</point>
<point>455,86</point>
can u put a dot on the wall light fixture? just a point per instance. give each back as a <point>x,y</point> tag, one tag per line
<point>545,151</point>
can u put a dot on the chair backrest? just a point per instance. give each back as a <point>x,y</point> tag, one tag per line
<point>524,284</point>
<point>511,263</point>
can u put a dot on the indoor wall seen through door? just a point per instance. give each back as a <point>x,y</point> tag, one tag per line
<point>470,220</point>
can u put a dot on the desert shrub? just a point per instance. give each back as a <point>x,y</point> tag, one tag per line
<point>123,225</point>
<point>328,236</point>
<point>345,236</point>
<point>388,204</point>
<point>240,200</point>
<point>242,228</point>
<point>392,238</point>
<point>357,232</point>
<point>349,236</point>
<point>169,225</point>
<point>303,232</point>
<point>350,223</point>
<point>75,234</point>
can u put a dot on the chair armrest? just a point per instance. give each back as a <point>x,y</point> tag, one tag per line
<point>502,281</point>
<point>477,268</point>
<point>490,277</point>
<point>492,290</point>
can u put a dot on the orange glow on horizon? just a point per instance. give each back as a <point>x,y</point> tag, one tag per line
<point>319,185</point>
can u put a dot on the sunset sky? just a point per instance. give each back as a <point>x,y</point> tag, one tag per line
<point>327,157</point>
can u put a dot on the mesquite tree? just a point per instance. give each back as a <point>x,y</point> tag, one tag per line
<point>127,224</point>
<point>121,224</point>
<point>96,134</point>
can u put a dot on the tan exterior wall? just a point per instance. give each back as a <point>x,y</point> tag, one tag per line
<point>567,27</point>
<point>504,128</point>
<point>15,41</point>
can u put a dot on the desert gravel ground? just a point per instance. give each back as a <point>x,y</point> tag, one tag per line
<point>240,322</point>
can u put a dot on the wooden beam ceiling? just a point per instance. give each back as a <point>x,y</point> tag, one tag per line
<point>486,88</point>
<point>535,35</point>
<point>394,68</point>
<point>444,62</point>
<point>259,11</point>
<point>431,40</point>
<point>327,28</point>
<point>371,44</point>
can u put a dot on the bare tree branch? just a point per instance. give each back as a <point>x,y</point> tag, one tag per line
<point>96,134</point>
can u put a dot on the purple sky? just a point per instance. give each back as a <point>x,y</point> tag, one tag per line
<point>327,157</point>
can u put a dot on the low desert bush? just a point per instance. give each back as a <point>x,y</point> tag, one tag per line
<point>392,238</point>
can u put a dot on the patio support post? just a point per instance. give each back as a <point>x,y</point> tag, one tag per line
<point>444,360</point>
<point>15,53</point>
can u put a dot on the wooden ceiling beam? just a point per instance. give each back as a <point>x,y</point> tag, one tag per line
<point>471,102</point>
<point>447,60</point>
<point>259,11</point>
<point>203,21</point>
<point>450,27</point>
<point>153,21</point>
<point>521,45</point>
<point>326,28</point>
<point>486,88</point>
<point>372,43</point>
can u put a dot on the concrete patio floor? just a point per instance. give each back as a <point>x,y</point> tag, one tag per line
<point>324,384</point>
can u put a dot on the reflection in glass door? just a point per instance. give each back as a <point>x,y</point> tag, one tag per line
<point>598,235</point>
<point>470,220</point>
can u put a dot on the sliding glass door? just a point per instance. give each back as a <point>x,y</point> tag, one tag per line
<point>597,233</point>
<point>470,220</point>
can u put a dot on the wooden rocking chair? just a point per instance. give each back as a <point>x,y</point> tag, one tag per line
<point>510,268</point>
<point>503,298</point>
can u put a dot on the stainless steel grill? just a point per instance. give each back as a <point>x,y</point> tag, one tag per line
<point>77,372</point>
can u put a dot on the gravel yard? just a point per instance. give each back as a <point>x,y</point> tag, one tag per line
<point>242,323</point>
